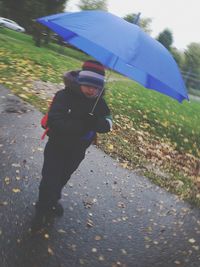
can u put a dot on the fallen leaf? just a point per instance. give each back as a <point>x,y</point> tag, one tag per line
<point>124,251</point>
<point>3,203</point>
<point>124,164</point>
<point>16,190</point>
<point>192,240</point>
<point>177,262</point>
<point>46,236</point>
<point>7,180</point>
<point>61,231</point>
<point>23,96</point>
<point>90,223</point>
<point>121,205</point>
<point>110,147</point>
<point>97,237</point>
<point>101,258</point>
<point>16,165</point>
<point>50,251</point>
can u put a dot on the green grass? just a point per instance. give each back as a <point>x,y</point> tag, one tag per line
<point>150,129</point>
<point>165,116</point>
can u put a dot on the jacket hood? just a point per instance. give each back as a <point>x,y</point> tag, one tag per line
<point>71,83</point>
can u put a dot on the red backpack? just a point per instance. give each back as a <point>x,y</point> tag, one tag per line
<point>44,122</point>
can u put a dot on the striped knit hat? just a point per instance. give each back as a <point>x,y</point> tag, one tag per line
<point>92,73</point>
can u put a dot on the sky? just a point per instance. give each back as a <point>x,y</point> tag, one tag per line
<point>180,16</point>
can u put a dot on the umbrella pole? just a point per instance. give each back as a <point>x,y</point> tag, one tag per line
<point>92,111</point>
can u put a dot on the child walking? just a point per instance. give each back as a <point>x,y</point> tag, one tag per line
<point>77,113</point>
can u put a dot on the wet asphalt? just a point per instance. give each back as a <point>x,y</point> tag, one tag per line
<point>113,217</point>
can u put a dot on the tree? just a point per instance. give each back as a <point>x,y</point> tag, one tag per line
<point>3,9</point>
<point>178,56</point>
<point>144,23</point>
<point>93,5</point>
<point>54,6</point>
<point>192,56</point>
<point>24,11</point>
<point>192,66</point>
<point>166,38</point>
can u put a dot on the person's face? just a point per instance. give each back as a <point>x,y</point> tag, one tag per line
<point>89,91</point>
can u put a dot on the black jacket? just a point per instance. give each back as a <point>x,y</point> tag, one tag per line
<point>69,120</point>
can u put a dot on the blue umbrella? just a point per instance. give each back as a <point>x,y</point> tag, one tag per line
<point>121,46</point>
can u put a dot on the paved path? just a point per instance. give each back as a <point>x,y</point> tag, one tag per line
<point>112,216</point>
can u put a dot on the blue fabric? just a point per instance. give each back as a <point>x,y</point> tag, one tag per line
<point>121,46</point>
<point>88,136</point>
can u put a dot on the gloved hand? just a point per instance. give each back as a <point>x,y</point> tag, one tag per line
<point>90,121</point>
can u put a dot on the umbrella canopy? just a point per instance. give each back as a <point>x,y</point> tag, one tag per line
<point>121,46</point>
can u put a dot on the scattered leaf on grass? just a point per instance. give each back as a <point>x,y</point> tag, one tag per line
<point>23,96</point>
<point>124,164</point>
<point>110,147</point>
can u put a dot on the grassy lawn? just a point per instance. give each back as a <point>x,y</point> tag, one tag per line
<point>153,134</point>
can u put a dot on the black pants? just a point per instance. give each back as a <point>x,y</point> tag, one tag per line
<point>59,163</point>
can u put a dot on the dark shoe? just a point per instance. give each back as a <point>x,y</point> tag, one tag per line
<point>57,210</point>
